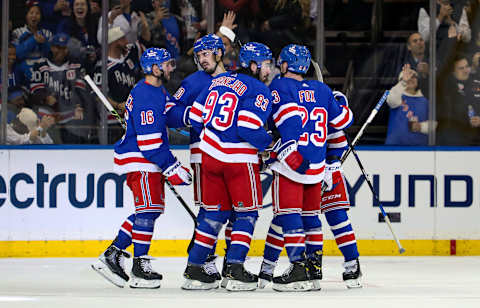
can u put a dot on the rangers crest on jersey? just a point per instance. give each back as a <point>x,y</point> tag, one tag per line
<point>71,75</point>
<point>130,64</point>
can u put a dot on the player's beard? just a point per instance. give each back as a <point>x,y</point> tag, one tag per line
<point>212,70</point>
<point>163,77</point>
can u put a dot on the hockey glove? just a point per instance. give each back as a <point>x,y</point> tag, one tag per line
<point>287,153</point>
<point>341,98</point>
<point>269,156</point>
<point>177,174</point>
<point>329,170</point>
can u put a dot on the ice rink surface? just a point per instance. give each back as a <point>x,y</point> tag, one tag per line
<point>405,282</point>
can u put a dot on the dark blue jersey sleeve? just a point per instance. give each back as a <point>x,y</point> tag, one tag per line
<point>176,112</point>
<point>254,113</point>
<point>196,112</point>
<point>285,111</point>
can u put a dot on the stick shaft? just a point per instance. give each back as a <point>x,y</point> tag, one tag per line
<point>104,100</point>
<point>377,200</point>
<point>367,122</point>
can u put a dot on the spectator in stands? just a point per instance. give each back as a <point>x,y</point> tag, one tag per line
<point>27,129</point>
<point>95,8</point>
<point>31,41</point>
<point>154,21</point>
<point>416,56</point>
<point>121,15</point>
<point>191,13</point>
<point>164,30</point>
<point>418,60</point>
<point>58,89</point>
<point>82,29</point>
<point>408,122</point>
<point>16,101</point>
<point>53,12</point>
<point>282,25</point>
<point>14,74</point>
<point>473,53</point>
<point>123,72</point>
<point>247,12</point>
<point>459,107</point>
<point>450,14</point>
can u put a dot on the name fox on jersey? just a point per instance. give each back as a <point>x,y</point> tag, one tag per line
<point>307,96</point>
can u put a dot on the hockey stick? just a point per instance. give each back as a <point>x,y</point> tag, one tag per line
<point>351,149</point>
<point>375,195</point>
<point>318,71</point>
<point>367,122</point>
<point>107,104</point>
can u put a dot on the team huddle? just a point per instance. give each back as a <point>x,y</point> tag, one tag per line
<point>239,126</point>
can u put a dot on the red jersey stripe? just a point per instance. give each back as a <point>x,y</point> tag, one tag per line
<point>213,143</point>
<point>149,141</point>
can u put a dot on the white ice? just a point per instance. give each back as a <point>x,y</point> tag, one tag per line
<point>405,282</point>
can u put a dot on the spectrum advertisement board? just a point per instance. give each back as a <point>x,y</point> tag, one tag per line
<point>73,194</point>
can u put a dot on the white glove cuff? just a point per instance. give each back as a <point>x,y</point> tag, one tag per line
<point>287,149</point>
<point>172,169</point>
<point>228,33</point>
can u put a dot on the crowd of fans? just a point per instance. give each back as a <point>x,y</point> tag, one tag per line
<point>60,42</point>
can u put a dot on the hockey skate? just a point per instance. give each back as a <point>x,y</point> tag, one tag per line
<point>111,265</point>
<point>210,267</point>
<point>143,276</point>
<point>295,279</point>
<point>266,274</point>
<point>315,269</point>
<point>352,274</point>
<point>196,278</point>
<point>239,279</point>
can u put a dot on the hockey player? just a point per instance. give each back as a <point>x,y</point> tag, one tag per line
<point>144,154</point>
<point>335,203</point>
<point>208,54</point>
<point>301,111</point>
<point>229,116</point>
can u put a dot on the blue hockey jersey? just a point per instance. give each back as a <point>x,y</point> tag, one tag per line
<point>189,90</point>
<point>144,147</point>
<point>413,108</point>
<point>301,111</point>
<point>229,116</point>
